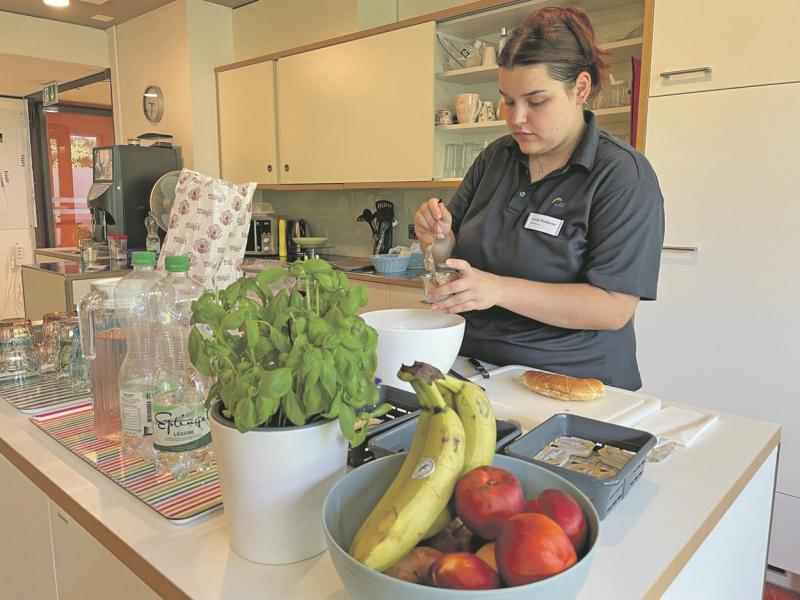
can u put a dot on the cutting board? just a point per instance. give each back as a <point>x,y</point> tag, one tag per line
<point>512,401</point>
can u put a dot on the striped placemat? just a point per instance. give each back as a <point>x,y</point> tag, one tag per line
<point>180,501</point>
<point>40,393</point>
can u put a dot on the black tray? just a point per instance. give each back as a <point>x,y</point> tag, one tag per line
<point>399,438</point>
<point>405,407</point>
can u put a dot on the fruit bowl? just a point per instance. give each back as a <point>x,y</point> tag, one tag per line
<point>353,497</point>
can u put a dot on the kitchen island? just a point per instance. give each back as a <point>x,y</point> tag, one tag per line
<point>695,526</point>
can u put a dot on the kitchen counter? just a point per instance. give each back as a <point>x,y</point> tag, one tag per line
<point>704,511</point>
<point>407,278</point>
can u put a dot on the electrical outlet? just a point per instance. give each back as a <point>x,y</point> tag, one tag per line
<point>412,235</point>
<point>19,255</point>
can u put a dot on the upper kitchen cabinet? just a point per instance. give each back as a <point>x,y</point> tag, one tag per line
<point>718,44</point>
<point>246,102</point>
<point>360,111</point>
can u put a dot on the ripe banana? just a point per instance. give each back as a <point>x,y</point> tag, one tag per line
<point>389,534</point>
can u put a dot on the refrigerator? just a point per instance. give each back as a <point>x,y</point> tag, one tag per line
<point>724,331</point>
<point>17,214</point>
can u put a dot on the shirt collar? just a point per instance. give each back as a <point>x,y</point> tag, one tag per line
<point>585,152</point>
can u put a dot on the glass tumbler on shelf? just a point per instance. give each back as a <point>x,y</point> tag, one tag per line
<point>18,354</point>
<point>453,161</point>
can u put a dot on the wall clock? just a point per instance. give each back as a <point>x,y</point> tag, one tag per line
<point>153,103</point>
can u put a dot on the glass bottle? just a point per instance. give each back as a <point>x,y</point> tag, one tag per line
<point>501,42</point>
<point>181,431</point>
<point>152,242</point>
<point>137,311</point>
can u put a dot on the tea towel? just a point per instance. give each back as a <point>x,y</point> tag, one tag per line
<point>208,224</point>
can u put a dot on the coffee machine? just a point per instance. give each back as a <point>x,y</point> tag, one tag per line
<point>123,177</point>
<point>262,237</point>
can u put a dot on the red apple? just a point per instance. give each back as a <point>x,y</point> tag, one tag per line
<point>486,497</point>
<point>486,553</point>
<point>565,511</point>
<point>463,571</point>
<point>532,547</point>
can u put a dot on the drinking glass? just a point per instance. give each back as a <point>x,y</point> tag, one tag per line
<point>453,160</point>
<point>18,354</point>
<point>471,152</point>
<point>72,368</point>
<point>48,345</point>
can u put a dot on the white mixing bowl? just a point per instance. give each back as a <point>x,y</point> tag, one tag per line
<point>408,335</point>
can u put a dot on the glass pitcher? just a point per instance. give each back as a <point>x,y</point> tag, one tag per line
<point>104,346</point>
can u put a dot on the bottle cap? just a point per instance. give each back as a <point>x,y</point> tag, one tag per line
<point>176,264</point>
<point>143,258</point>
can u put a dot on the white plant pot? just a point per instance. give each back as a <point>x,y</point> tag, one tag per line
<point>274,480</point>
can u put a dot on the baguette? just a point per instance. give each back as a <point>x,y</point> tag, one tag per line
<point>563,387</point>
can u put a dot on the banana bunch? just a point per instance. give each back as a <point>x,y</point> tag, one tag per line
<point>455,433</point>
<point>477,416</point>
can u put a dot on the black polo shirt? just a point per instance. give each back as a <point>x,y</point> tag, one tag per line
<point>602,224</point>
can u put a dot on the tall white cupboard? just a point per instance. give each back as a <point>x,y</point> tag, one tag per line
<point>723,333</point>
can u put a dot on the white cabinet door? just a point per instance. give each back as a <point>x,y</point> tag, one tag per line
<point>743,44</point>
<point>246,104</point>
<point>359,111</point>
<point>85,570</point>
<point>724,330</point>
<point>26,556</point>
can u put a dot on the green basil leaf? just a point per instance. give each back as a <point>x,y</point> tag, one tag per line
<point>317,329</point>
<point>279,340</point>
<point>269,277</point>
<point>234,320</point>
<point>276,383</point>
<point>327,376</point>
<point>326,281</point>
<point>265,408</point>
<point>334,409</point>
<point>293,409</point>
<point>316,266</point>
<point>380,410</point>
<point>244,415</point>
<point>252,333</point>
<point>347,422</point>
<point>312,399</point>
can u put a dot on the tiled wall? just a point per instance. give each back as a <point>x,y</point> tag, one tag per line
<point>333,214</point>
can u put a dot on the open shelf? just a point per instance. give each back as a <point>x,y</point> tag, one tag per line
<point>490,126</point>
<point>604,116</point>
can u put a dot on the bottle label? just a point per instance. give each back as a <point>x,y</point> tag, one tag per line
<point>180,428</point>
<point>135,413</point>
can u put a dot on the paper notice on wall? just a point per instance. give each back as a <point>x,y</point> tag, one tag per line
<point>15,190</point>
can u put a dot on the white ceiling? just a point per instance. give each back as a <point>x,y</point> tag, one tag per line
<point>80,12</point>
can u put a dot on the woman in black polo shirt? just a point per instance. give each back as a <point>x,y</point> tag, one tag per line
<point>557,228</point>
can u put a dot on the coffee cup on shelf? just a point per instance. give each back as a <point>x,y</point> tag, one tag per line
<point>468,107</point>
<point>444,117</point>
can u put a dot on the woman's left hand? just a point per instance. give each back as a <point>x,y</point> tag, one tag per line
<point>474,289</point>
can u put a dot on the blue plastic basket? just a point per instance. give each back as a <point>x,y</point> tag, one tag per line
<point>416,261</point>
<point>389,263</point>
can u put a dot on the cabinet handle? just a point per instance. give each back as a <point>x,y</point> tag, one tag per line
<point>667,74</point>
<point>62,517</point>
<point>269,168</point>
<point>286,167</point>
<point>680,248</point>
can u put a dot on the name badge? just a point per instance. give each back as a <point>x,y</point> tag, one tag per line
<point>544,223</point>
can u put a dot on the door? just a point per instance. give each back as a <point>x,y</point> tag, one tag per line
<point>72,133</point>
<point>741,44</point>
<point>359,111</point>
<point>246,103</point>
<point>723,332</point>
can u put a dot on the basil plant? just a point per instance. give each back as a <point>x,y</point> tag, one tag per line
<point>292,357</point>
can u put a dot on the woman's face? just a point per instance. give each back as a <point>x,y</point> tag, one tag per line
<point>542,114</point>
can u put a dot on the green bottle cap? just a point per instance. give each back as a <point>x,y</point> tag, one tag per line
<point>143,258</point>
<point>176,264</point>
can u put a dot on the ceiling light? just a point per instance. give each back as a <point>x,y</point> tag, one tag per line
<point>57,3</point>
<point>95,2</point>
<point>103,18</point>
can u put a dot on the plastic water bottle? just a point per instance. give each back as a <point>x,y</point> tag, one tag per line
<point>137,311</point>
<point>181,432</point>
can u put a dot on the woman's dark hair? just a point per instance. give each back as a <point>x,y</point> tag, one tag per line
<point>563,40</point>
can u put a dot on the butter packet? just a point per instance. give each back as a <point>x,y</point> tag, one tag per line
<point>615,457</point>
<point>598,471</point>
<point>553,456</point>
<point>575,445</point>
<point>661,452</point>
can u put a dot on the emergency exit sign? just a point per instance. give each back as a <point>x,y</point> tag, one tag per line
<point>50,93</point>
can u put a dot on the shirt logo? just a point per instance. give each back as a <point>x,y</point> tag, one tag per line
<point>558,203</point>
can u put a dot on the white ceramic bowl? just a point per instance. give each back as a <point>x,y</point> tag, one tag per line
<point>408,335</point>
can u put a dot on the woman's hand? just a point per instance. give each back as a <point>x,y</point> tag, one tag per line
<point>432,221</point>
<point>474,289</point>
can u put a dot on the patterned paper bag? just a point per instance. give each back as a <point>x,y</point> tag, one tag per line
<point>208,224</point>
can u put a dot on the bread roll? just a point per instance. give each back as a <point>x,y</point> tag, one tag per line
<point>563,387</point>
